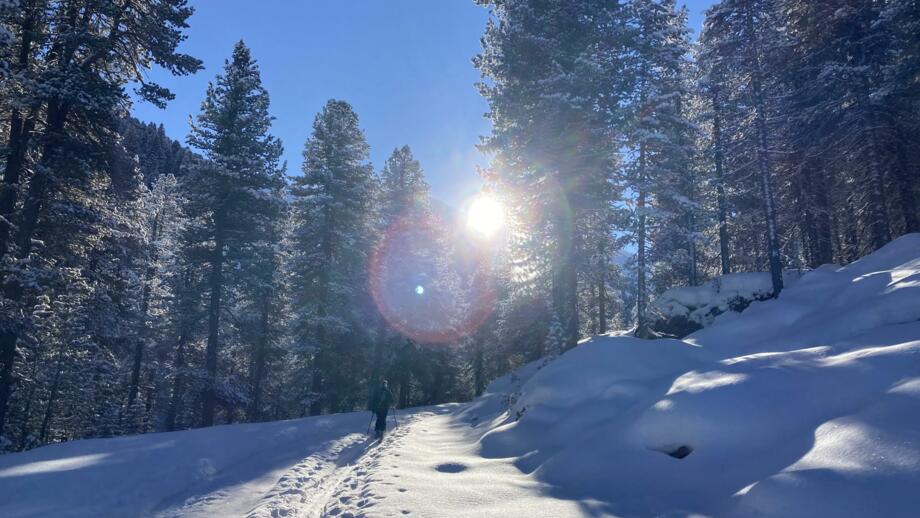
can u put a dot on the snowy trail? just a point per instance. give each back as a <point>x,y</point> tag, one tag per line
<point>430,467</point>
<point>427,466</point>
<point>320,484</point>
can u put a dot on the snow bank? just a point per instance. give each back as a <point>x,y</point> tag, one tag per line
<point>826,305</point>
<point>156,474</point>
<point>808,405</point>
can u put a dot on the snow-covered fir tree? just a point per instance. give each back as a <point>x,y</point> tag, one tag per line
<point>332,206</point>
<point>737,33</point>
<point>62,98</point>
<point>233,196</point>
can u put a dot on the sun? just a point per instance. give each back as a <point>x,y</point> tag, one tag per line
<point>485,216</point>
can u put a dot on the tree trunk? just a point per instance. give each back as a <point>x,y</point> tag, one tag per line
<point>824,246</point>
<point>175,401</point>
<point>641,300</point>
<point>316,387</point>
<point>214,307</point>
<point>49,408</point>
<point>763,161</point>
<point>7,381</point>
<point>906,198</point>
<point>320,359</point>
<point>405,379</point>
<point>565,275</point>
<point>24,430</point>
<point>12,289</point>
<point>27,411</point>
<point>718,156</point>
<point>134,385</point>
<point>692,267</point>
<point>259,353</point>
<point>816,216</point>
<point>595,310</point>
<point>879,225</point>
<point>18,143</point>
<point>602,289</point>
<point>319,368</point>
<point>18,139</point>
<point>479,375</point>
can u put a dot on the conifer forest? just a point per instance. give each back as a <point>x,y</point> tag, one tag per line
<point>149,284</point>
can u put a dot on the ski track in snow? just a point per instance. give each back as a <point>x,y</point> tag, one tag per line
<point>333,483</point>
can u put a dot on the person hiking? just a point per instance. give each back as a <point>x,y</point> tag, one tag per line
<point>380,406</point>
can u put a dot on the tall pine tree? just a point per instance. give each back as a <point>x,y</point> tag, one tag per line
<point>332,215</point>
<point>233,195</point>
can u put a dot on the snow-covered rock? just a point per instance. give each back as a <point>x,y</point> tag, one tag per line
<point>681,311</point>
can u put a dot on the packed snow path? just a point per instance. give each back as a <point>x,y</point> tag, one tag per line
<point>322,484</point>
<point>423,467</point>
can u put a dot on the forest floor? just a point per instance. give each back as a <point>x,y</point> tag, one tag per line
<point>806,405</point>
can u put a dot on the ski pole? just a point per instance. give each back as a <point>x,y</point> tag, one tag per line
<point>369,423</point>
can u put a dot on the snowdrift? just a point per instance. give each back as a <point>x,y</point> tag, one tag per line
<point>808,405</point>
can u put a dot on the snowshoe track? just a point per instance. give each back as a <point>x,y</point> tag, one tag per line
<point>334,483</point>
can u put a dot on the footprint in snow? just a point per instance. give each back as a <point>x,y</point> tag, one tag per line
<point>450,467</point>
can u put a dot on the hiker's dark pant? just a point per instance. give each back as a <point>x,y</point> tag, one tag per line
<point>381,425</point>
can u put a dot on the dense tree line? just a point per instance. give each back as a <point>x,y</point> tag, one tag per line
<point>153,285</point>
<point>784,138</point>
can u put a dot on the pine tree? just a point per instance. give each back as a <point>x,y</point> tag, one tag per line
<point>548,91</point>
<point>712,111</point>
<point>736,34</point>
<point>841,101</point>
<point>263,289</point>
<point>659,136</point>
<point>332,218</point>
<point>403,188</point>
<point>69,63</point>
<point>233,195</point>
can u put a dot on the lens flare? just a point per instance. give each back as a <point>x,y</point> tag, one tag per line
<point>485,216</point>
<point>421,289</point>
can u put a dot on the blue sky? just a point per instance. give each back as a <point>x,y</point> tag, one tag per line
<point>405,65</point>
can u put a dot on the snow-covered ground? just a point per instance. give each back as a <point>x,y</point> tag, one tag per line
<point>808,405</point>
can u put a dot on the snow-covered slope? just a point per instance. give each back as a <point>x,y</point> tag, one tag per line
<point>808,405</point>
